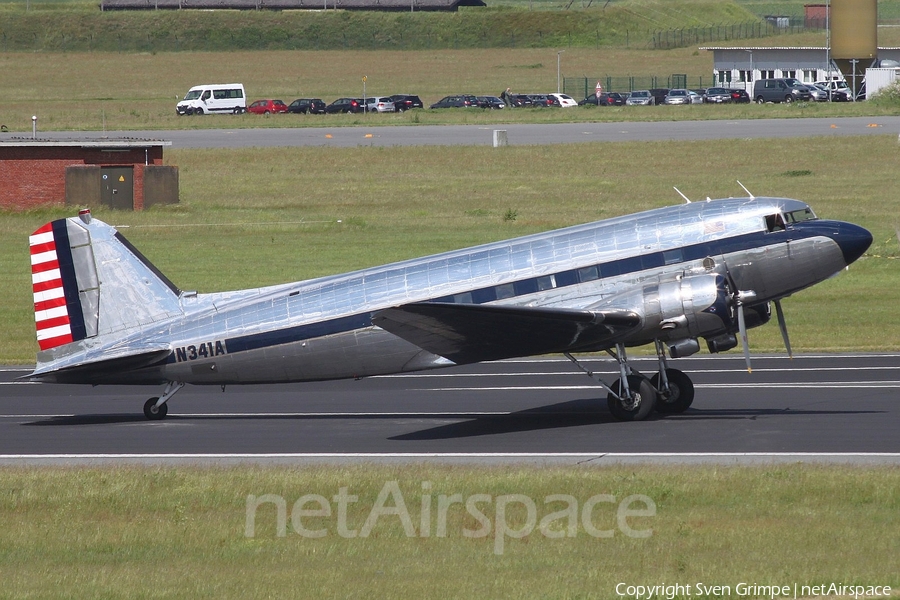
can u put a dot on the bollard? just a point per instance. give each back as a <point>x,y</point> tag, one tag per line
<point>500,138</point>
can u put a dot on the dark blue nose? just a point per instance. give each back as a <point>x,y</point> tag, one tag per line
<point>852,239</point>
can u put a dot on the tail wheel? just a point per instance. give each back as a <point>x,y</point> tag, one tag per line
<point>636,407</point>
<point>678,397</point>
<point>154,412</point>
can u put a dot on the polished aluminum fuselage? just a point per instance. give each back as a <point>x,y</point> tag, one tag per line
<point>322,328</point>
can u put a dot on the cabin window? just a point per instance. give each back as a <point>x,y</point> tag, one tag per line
<point>505,291</point>
<point>774,223</point>
<point>588,274</point>
<point>546,283</point>
<point>671,257</point>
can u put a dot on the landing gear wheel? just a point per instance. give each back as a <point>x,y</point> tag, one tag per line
<point>153,412</point>
<point>678,397</point>
<point>636,408</point>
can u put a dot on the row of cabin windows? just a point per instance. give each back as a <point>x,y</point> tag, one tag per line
<point>565,278</point>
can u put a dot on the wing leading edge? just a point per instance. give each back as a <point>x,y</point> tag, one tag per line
<point>467,333</point>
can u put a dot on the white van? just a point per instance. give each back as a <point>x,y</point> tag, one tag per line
<point>214,98</point>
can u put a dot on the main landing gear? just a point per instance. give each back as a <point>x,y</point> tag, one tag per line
<point>633,396</point>
<point>156,409</point>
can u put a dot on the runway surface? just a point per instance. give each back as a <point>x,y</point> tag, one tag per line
<point>831,408</point>
<point>518,134</point>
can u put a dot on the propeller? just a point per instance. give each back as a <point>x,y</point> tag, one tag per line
<point>741,299</point>
<point>782,325</point>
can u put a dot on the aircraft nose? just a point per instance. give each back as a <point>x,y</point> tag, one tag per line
<point>853,240</point>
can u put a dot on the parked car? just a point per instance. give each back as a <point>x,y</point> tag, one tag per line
<point>458,101</point>
<point>677,96</point>
<point>564,100</point>
<point>267,106</point>
<point>313,106</point>
<point>659,94</point>
<point>778,90</point>
<point>816,93</point>
<point>543,100</point>
<point>345,105</point>
<point>836,85</point>
<point>717,95</point>
<point>696,97</point>
<point>605,99</point>
<point>740,97</point>
<point>404,102</point>
<point>520,100</point>
<point>492,102</point>
<point>380,104</point>
<point>640,98</point>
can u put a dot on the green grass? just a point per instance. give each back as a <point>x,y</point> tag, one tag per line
<point>181,532</point>
<point>305,212</point>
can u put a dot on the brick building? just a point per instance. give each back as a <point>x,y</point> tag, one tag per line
<point>118,173</point>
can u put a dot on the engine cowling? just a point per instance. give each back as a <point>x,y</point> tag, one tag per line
<point>697,306</point>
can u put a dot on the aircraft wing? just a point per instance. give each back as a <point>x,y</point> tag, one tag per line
<point>466,333</point>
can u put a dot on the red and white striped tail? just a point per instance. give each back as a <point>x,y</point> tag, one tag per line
<point>51,313</point>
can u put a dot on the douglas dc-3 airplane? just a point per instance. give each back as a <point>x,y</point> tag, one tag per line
<point>667,277</point>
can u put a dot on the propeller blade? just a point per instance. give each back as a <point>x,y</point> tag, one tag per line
<point>782,325</point>
<point>742,327</point>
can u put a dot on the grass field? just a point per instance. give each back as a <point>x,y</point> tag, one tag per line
<point>183,533</point>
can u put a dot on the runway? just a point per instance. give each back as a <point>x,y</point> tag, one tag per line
<point>814,408</point>
<point>378,135</point>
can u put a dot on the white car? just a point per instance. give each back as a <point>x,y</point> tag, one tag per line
<point>379,104</point>
<point>695,97</point>
<point>564,100</point>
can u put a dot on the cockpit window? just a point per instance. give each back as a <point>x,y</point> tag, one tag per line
<point>796,216</point>
<point>774,223</point>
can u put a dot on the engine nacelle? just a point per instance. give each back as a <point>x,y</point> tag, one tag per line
<point>690,307</point>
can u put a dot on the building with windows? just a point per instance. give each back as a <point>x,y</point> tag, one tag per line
<point>739,67</point>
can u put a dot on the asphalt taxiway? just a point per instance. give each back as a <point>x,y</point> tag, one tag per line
<point>833,408</point>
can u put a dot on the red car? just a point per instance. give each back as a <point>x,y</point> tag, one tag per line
<point>265,107</point>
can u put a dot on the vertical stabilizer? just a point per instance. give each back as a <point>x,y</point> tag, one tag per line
<point>89,282</point>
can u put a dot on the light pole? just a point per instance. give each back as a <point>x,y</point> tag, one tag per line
<point>557,70</point>
<point>750,82</point>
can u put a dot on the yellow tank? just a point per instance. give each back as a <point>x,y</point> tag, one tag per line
<point>854,29</point>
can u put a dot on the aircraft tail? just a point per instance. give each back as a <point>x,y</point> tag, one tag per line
<point>90,282</point>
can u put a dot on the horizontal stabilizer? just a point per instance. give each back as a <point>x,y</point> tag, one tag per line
<point>109,365</point>
<point>467,333</point>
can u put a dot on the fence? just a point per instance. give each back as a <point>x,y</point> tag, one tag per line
<point>690,36</point>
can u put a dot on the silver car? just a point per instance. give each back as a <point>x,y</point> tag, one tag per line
<point>678,96</point>
<point>640,98</point>
<point>379,104</point>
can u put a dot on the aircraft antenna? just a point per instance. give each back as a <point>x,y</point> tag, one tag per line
<point>686,199</point>
<point>749,193</point>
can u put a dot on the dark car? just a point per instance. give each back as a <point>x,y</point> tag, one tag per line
<point>740,96</point>
<point>457,101</point>
<point>266,107</point>
<point>605,99</point>
<point>717,95</point>
<point>492,102</point>
<point>345,105</point>
<point>404,102</point>
<point>543,100</point>
<point>520,100</point>
<point>659,95</point>
<point>313,106</point>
